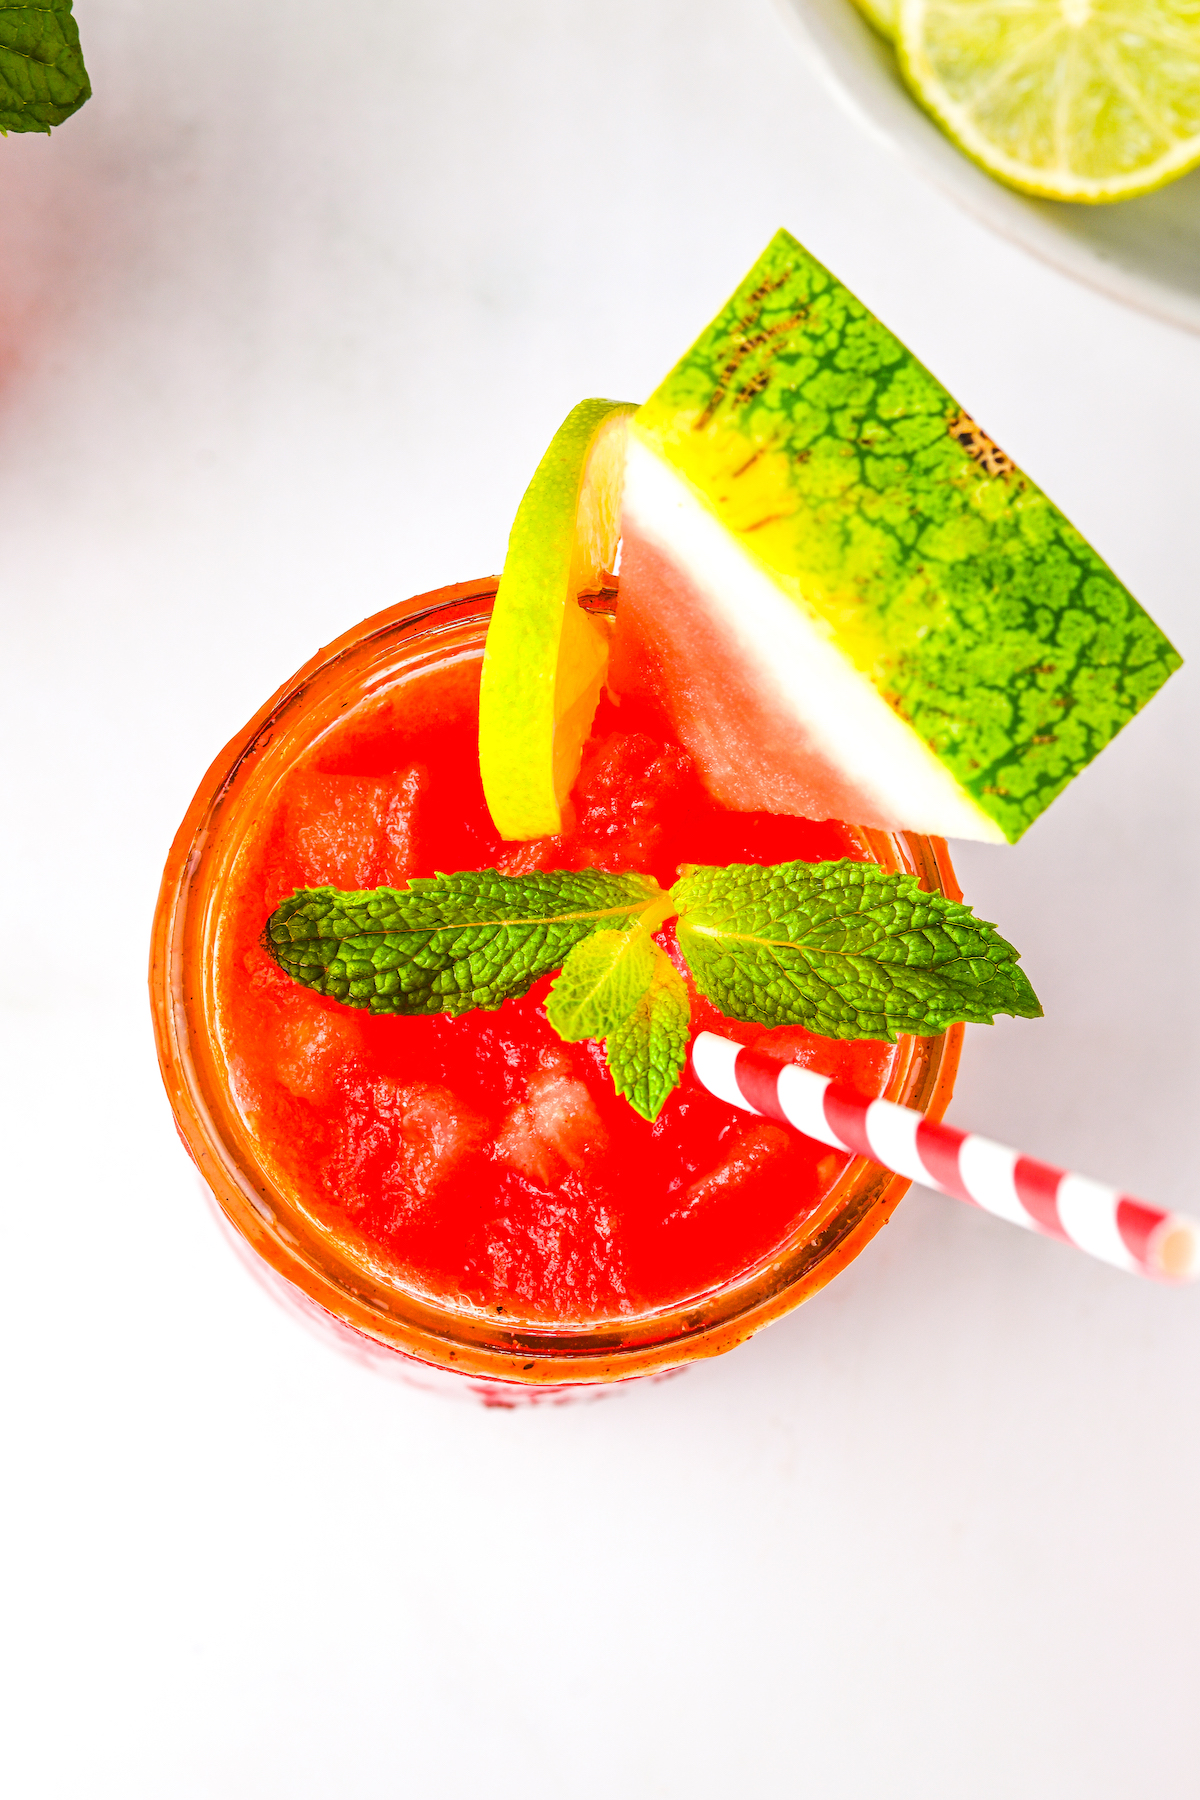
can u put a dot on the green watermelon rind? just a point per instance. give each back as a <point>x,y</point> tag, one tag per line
<point>972,605</point>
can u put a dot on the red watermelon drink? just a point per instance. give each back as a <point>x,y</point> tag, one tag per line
<point>442,922</point>
<point>471,1191</point>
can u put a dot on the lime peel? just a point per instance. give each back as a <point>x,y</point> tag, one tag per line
<point>881,14</point>
<point>545,659</point>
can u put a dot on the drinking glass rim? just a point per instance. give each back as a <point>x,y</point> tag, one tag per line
<point>468,1341</point>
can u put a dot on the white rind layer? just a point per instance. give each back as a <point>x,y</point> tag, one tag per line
<point>794,662</point>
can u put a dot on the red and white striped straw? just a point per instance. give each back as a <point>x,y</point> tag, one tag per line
<point>1113,1226</point>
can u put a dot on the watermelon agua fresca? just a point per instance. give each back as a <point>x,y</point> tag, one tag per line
<point>851,602</point>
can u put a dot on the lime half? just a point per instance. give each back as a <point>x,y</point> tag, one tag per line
<point>545,658</point>
<point>1069,99</point>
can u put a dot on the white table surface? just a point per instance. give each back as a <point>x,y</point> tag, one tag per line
<point>287,315</point>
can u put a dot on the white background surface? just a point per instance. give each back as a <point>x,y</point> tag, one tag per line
<point>287,315</point>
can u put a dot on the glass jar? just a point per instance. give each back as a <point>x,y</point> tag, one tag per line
<point>385,1324</point>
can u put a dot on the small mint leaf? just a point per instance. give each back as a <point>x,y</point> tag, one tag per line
<point>42,75</point>
<point>843,949</point>
<point>452,942</point>
<point>602,981</point>
<point>605,976</point>
<point>647,1052</point>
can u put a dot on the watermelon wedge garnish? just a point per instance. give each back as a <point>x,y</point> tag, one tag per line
<point>850,601</point>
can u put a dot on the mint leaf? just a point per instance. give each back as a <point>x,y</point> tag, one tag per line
<point>843,949</point>
<point>620,986</point>
<point>647,1051</point>
<point>601,982</point>
<point>604,977</point>
<point>450,943</point>
<point>42,76</point>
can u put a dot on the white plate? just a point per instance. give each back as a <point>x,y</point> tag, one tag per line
<point>1144,252</point>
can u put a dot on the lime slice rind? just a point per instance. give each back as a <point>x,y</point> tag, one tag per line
<point>881,14</point>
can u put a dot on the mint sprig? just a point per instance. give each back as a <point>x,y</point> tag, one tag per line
<point>841,948</point>
<point>42,75</point>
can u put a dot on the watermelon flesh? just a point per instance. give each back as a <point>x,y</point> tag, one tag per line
<point>849,601</point>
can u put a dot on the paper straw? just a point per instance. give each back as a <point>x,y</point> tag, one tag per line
<point>1113,1226</point>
